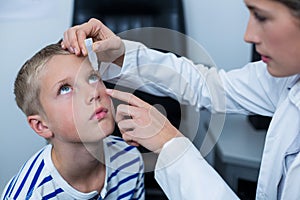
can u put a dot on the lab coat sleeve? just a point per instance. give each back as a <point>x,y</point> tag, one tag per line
<point>183,173</point>
<point>166,75</point>
<point>291,188</point>
<point>245,91</point>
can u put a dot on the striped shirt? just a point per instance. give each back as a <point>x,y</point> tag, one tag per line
<point>39,179</point>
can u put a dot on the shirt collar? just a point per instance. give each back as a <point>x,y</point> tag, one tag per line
<point>294,94</point>
<point>294,80</point>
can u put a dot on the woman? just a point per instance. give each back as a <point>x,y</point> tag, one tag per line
<point>269,87</point>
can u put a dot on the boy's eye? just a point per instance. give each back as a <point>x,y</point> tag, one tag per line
<point>64,89</point>
<point>93,78</point>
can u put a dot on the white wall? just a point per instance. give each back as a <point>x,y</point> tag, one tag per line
<point>25,27</point>
<point>31,24</point>
<point>218,26</point>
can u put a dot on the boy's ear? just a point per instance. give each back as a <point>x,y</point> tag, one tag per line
<point>37,123</point>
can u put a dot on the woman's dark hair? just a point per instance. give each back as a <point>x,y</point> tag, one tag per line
<point>293,5</point>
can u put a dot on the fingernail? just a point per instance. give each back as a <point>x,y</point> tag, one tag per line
<point>95,47</point>
<point>71,49</point>
<point>83,52</point>
<point>109,91</point>
<point>76,51</point>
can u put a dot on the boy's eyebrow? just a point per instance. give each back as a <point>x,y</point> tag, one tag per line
<point>59,83</point>
<point>95,72</point>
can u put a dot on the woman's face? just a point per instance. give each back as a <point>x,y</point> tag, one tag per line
<point>276,34</point>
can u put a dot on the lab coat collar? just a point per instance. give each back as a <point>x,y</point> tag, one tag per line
<point>294,94</point>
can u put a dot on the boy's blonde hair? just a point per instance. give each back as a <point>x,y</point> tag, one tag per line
<point>27,83</point>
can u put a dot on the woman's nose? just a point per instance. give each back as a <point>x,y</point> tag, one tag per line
<point>251,35</point>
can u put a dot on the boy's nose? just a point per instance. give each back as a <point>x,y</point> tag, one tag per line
<point>94,94</point>
<point>94,97</point>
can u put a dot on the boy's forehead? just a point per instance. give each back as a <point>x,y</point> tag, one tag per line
<point>59,62</point>
<point>68,63</point>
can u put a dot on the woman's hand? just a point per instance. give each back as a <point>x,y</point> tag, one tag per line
<point>141,123</point>
<point>107,45</point>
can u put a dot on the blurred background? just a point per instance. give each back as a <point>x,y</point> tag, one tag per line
<point>28,25</point>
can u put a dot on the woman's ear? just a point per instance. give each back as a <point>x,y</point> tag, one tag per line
<point>37,123</point>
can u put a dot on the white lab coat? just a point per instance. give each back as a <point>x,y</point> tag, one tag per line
<point>181,171</point>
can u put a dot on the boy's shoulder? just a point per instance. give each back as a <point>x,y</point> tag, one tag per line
<point>118,153</point>
<point>23,183</point>
<point>35,162</point>
<point>115,143</point>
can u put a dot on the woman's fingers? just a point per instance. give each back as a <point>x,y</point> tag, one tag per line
<point>126,126</point>
<point>128,98</point>
<point>110,49</point>
<point>81,36</point>
<point>129,139</point>
<point>108,46</point>
<point>143,116</point>
<point>142,123</point>
<point>74,37</point>
<point>70,40</point>
<point>129,111</point>
<point>127,132</point>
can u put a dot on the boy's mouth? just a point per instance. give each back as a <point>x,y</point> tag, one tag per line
<point>99,114</point>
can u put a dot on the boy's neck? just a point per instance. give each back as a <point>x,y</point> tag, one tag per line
<point>78,165</point>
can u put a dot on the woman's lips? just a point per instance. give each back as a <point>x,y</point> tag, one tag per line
<point>265,59</point>
<point>100,113</point>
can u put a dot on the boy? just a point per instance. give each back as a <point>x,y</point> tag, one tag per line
<point>65,102</point>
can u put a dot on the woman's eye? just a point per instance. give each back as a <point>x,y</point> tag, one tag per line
<point>65,89</point>
<point>93,78</point>
<point>259,17</point>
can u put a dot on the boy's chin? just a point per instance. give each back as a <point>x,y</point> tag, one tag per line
<point>107,130</point>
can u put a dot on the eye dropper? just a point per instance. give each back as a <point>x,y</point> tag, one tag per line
<point>91,54</point>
